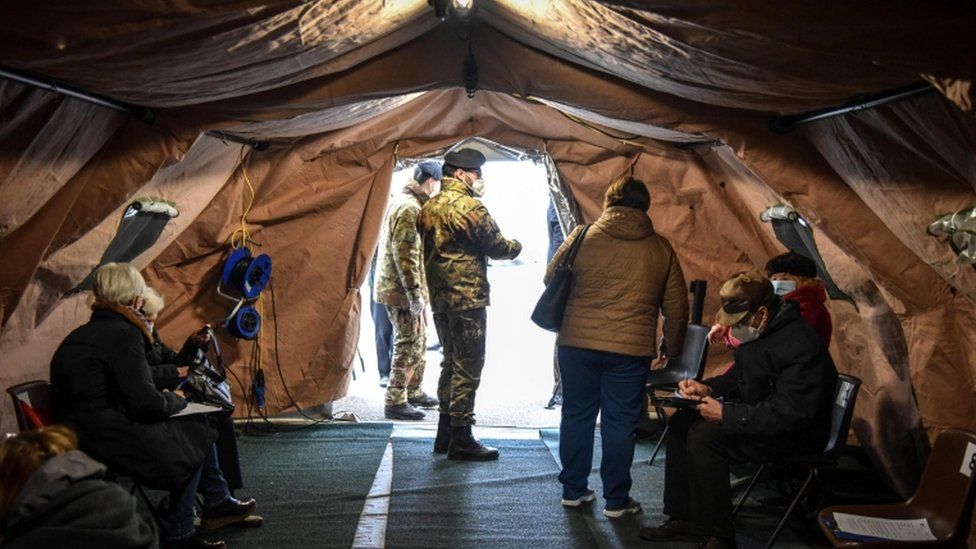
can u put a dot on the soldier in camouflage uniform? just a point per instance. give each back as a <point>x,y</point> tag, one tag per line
<point>459,236</point>
<point>401,285</point>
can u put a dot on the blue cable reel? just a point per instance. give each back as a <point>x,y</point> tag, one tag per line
<point>248,276</point>
<point>244,323</point>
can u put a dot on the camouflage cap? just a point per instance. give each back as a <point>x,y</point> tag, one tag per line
<point>741,295</point>
<point>466,159</point>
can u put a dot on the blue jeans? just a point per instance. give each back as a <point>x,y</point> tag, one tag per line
<point>383,336</point>
<point>613,385</point>
<point>209,481</point>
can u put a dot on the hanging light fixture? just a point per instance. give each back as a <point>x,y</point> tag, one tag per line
<point>462,7</point>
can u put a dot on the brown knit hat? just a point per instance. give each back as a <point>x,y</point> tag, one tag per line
<point>741,295</point>
<point>628,192</point>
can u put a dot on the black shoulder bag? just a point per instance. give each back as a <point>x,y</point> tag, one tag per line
<point>549,310</point>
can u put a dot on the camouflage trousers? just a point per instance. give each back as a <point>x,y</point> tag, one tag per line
<point>462,334</point>
<point>409,358</point>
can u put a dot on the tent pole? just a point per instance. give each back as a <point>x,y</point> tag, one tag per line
<point>144,114</point>
<point>788,123</point>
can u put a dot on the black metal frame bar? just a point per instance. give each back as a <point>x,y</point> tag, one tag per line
<point>788,123</point>
<point>144,114</point>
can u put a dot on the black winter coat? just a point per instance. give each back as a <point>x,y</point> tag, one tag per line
<point>781,386</point>
<point>66,504</point>
<point>102,387</point>
<point>163,361</point>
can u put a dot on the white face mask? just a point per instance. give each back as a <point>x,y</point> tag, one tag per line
<point>745,334</point>
<point>783,287</point>
<point>478,187</point>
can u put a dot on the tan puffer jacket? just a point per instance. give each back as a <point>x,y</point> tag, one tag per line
<point>623,276</point>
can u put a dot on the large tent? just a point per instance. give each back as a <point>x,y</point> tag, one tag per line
<point>680,94</point>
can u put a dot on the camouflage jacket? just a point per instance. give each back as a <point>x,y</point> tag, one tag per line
<point>459,236</point>
<point>400,278</point>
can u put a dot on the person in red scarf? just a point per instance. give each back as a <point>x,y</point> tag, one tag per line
<point>794,277</point>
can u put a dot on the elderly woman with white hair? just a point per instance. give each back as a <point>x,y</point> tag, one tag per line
<point>101,386</point>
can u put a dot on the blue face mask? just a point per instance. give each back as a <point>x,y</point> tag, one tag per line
<point>783,287</point>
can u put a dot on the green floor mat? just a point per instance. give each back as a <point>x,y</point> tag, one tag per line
<point>310,485</point>
<point>512,502</point>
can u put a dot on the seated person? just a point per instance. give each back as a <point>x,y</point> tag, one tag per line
<point>101,386</point>
<point>169,369</point>
<point>52,495</point>
<point>794,277</point>
<point>774,402</point>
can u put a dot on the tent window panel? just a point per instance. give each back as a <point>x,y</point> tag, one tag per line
<point>142,223</point>
<point>794,232</point>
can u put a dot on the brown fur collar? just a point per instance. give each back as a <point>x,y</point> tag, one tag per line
<point>129,315</point>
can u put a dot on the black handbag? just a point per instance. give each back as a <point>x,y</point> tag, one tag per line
<point>206,385</point>
<point>549,310</point>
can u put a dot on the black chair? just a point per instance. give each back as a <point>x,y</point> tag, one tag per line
<point>845,396</point>
<point>689,365</point>
<point>32,404</point>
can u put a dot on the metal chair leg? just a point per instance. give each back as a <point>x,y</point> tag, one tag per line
<point>789,511</point>
<point>752,484</point>
<point>657,447</point>
<point>136,487</point>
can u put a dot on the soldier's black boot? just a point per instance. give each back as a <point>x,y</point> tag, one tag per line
<point>465,447</point>
<point>443,439</point>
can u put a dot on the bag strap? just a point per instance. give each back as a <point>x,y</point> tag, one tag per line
<point>570,256</point>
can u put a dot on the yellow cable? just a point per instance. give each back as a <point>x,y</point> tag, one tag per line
<point>242,230</point>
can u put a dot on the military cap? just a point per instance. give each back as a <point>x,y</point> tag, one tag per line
<point>427,169</point>
<point>741,295</point>
<point>466,159</point>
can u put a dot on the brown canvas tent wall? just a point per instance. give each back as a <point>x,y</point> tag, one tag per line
<point>341,88</point>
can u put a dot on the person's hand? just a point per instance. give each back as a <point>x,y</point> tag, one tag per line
<point>691,388</point>
<point>183,371</point>
<point>710,409</point>
<point>202,337</point>
<point>716,334</point>
<point>179,393</point>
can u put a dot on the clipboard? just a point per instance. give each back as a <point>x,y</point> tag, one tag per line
<point>678,402</point>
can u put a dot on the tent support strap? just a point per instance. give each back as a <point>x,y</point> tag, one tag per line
<point>788,123</point>
<point>144,114</point>
<point>253,143</point>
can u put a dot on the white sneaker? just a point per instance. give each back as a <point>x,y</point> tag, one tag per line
<point>629,508</point>
<point>585,498</point>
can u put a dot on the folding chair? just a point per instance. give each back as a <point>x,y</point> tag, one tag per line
<point>845,395</point>
<point>32,404</point>
<point>689,365</point>
<point>944,497</point>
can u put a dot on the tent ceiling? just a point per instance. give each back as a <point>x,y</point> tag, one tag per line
<point>766,57</point>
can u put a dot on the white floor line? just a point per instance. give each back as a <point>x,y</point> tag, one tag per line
<point>371,532</point>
